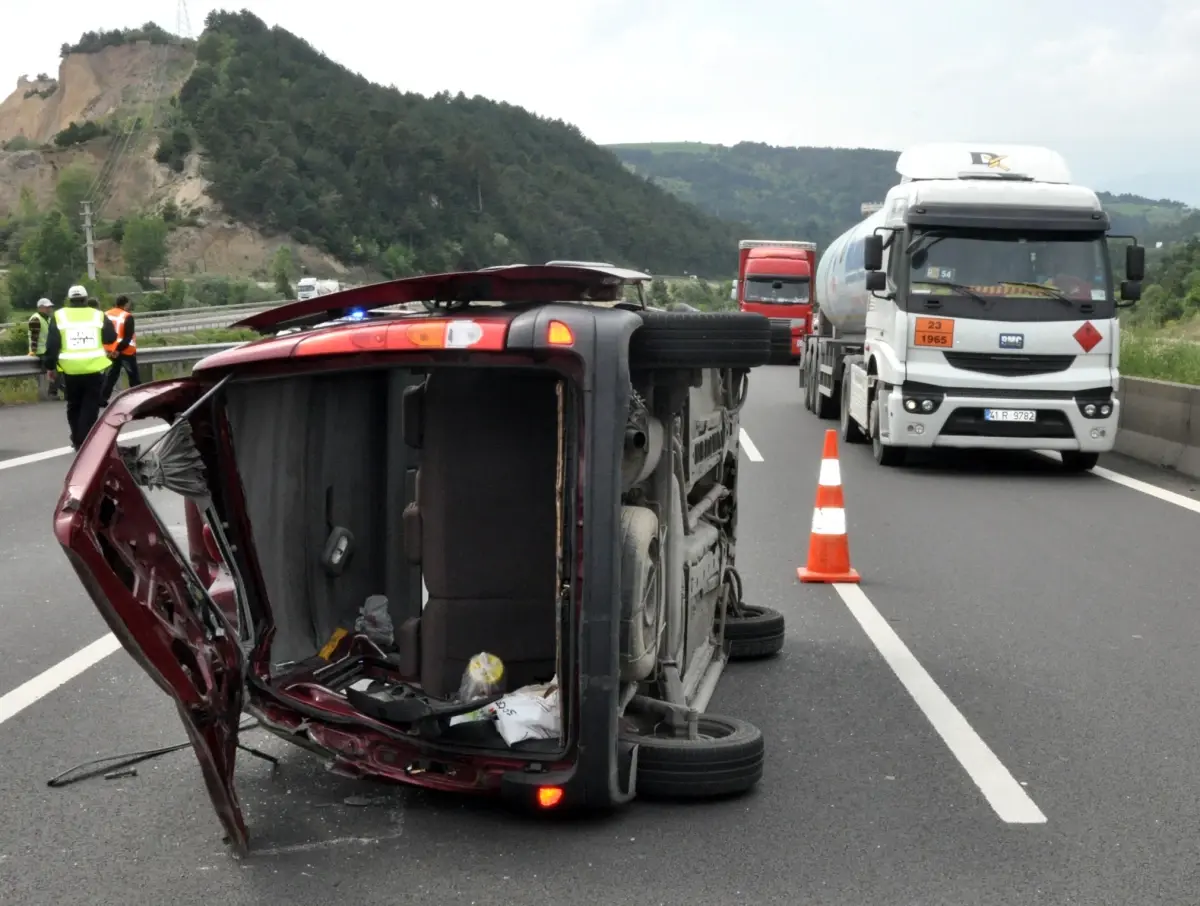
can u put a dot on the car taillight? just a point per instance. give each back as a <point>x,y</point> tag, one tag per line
<point>549,796</point>
<point>439,333</point>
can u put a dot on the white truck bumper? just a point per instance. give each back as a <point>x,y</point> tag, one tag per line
<point>962,420</point>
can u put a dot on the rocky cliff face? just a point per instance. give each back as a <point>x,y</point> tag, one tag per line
<point>112,86</point>
<point>93,86</point>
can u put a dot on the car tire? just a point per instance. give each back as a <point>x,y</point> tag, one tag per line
<point>735,339</point>
<point>1074,461</point>
<point>781,343</point>
<point>728,758</point>
<point>758,632</point>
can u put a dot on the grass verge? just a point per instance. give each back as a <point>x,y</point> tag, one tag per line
<point>14,391</point>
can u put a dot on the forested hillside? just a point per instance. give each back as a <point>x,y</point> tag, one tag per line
<point>815,193</point>
<point>297,143</point>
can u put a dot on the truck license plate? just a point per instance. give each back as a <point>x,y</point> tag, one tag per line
<point>1010,415</point>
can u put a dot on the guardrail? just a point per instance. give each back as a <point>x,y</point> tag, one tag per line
<point>1160,424</point>
<point>29,366</point>
<point>1160,420</point>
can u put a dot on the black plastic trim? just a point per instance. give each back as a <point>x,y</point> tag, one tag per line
<point>1006,217</point>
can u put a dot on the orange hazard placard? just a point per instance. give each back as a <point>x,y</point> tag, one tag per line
<point>934,332</point>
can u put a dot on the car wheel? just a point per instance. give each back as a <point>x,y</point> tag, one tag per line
<point>726,758</point>
<point>735,339</point>
<point>1074,461</point>
<point>756,632</point>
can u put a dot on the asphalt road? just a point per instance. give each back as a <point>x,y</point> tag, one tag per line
<point>1046,624</point>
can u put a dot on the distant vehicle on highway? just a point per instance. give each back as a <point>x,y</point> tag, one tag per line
<point>974,309</point>
<point>560,477</point>
<point>311,287</point>
<point>775,279</point>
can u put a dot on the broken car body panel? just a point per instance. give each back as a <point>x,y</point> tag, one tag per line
<point>151,598</point>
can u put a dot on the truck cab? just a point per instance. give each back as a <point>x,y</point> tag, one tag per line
<point>988,309</point>
<point>775,279</point>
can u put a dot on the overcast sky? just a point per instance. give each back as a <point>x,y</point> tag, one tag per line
<point>1113,84</point>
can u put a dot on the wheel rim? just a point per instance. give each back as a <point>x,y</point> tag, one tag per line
<point>649,726</point>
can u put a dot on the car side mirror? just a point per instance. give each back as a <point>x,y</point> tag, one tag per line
<point>1131,292</point>
<point>1135,264</point>
<point>876,281</point>
<point>873,252</point>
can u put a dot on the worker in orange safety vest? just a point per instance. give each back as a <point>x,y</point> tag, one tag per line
<point>124,350</point>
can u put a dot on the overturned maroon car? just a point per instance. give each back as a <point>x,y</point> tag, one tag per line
<point>487,546</point>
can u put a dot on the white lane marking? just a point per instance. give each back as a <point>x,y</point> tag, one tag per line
<point>1145,487</point>
<point>13,703</point>
<point>31,458</point>
<point>999,787</point>
<point>748,447</point>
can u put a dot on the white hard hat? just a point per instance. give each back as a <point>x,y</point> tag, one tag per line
<point>77,292</point>
<point>45,303</point>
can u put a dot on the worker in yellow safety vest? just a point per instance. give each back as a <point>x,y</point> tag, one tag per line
<point>76,346</point>
<point>38,328</point>
<point>125,348</point>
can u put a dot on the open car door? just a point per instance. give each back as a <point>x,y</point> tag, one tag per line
<point>149,594</point>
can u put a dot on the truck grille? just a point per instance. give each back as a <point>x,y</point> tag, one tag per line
<point>1002,364</point>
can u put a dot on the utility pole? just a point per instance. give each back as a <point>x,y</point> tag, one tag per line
<point>91,240</point>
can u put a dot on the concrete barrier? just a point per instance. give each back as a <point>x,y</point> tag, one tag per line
<point>1160,424</point>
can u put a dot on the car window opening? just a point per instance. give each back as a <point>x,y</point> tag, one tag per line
<point>404,522</point>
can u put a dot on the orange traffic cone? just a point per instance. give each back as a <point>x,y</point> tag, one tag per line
<point>828,546</point>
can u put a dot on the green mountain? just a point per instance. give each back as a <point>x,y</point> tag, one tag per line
<point>815,193</point>
<point>296,143</point>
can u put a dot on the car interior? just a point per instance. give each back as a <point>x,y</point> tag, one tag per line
<point>438,489</point>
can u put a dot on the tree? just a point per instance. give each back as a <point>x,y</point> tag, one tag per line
<point>51,260</point>
<point>659,295</point>
<point>282,268</point>
<point>72,189</point>
<point>144,247</point>
<point>298,145</point>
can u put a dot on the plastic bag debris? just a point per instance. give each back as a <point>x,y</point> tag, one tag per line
<point>483,678</point>
<point>530,712</point>
<point>375,622</point>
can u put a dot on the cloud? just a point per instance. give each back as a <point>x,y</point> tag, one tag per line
<point>1110,84</point>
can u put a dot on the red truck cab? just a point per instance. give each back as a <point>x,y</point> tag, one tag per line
<point>775,279</point>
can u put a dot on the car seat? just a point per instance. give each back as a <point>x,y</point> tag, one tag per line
<point>483,526</point>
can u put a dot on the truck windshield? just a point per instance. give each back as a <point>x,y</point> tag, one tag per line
<point>1010,263</point>
<point>777,290</point>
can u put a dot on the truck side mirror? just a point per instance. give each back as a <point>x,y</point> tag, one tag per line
<point>1131,291</point>
<point>1135,264</point>
<point>876,281</point>
<point>873,252</point>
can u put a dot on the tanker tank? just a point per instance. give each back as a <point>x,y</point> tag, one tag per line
<point>842,281</point>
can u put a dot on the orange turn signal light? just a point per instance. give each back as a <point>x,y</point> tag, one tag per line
<point>549,796</point>
<point>559,334</point>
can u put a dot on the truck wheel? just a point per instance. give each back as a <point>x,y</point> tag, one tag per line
<point>1074,461</point>
<point>735,339</point>
<point>727,758</point>
<point>851,432</point>
<point>824,406</point>
<point>885,454</point>
<point>806,381</point>
<point>756,632</point>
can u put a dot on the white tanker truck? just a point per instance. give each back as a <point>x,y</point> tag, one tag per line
<point>974,308</point>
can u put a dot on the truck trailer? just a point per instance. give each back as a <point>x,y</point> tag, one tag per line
<point>775,279</point>
<point>975,308</point>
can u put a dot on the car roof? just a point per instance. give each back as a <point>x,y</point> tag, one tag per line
<point>517,283</point>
